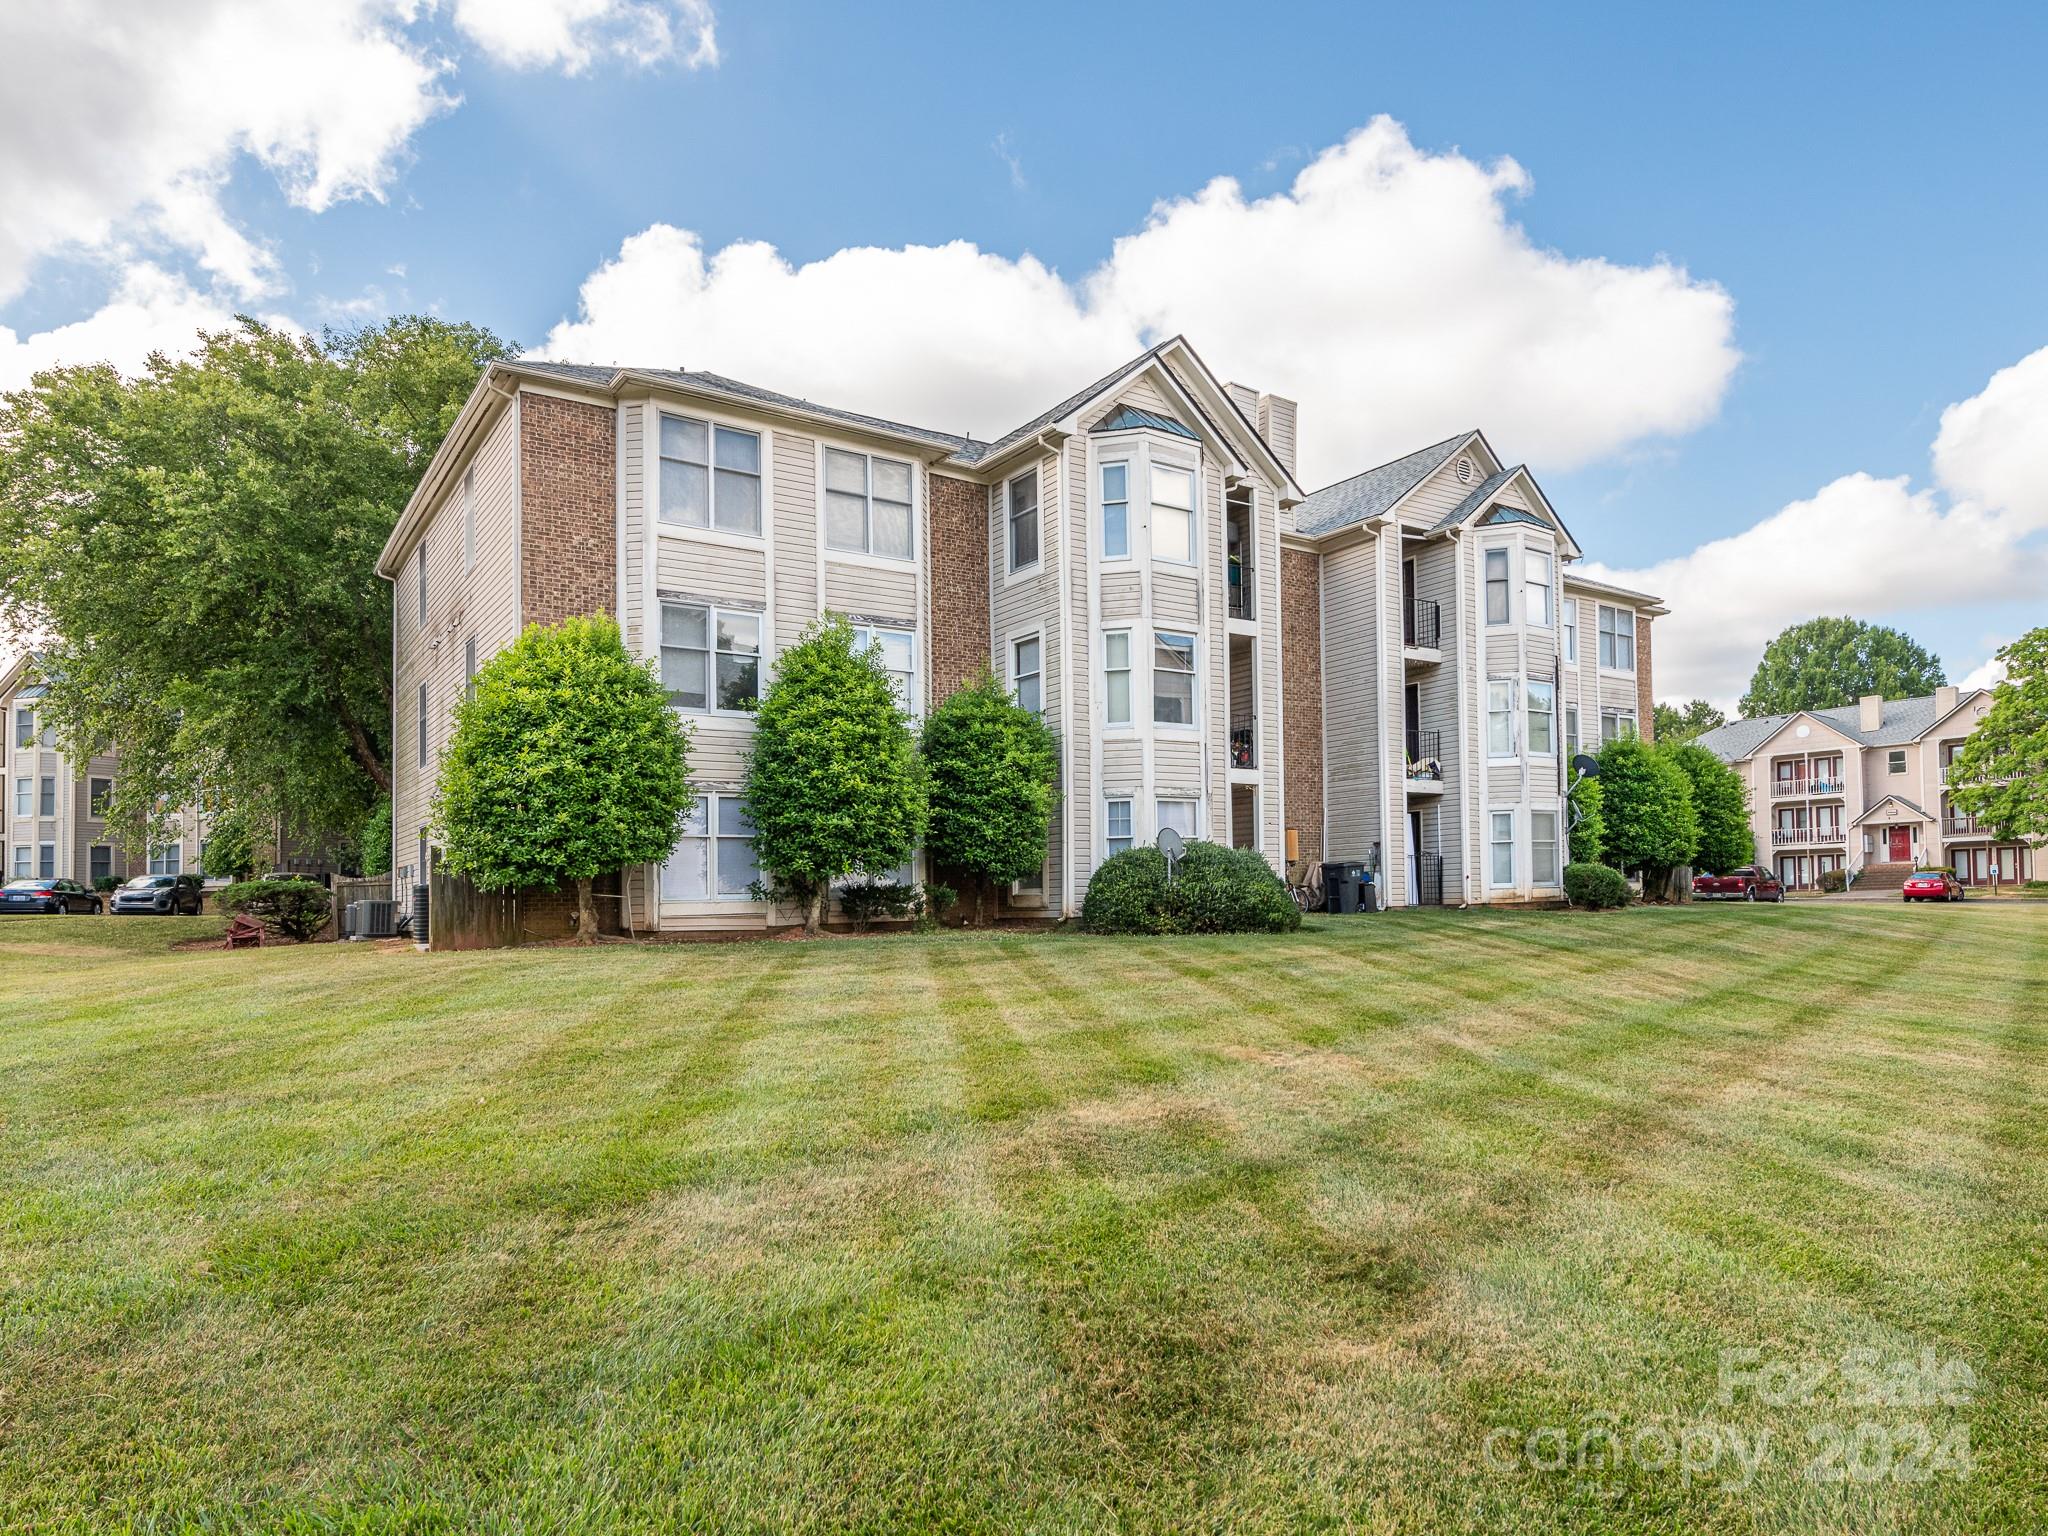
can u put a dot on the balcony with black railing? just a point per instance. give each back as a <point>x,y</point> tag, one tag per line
<point>1425,761</point>
<point>1244,742</point>
<point>1422,625</point>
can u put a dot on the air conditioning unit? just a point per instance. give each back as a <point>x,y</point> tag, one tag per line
<point>370,920</point>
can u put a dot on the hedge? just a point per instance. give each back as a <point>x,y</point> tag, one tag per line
<point>1215,890</point>
<point>298,909</point>
<point>1832,880</point>
<point>1595,886</point>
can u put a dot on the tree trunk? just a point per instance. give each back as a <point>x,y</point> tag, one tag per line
<point>980,888</point>
<point>814,915</point>
<point>586,913</point>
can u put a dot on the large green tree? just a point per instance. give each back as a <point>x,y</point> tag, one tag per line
<point>1720,803</point>
<point>1828,662</point>
<point>1646,809</point>
<point>566,764</point>
<point>2001,775</point>
<point>834,785</point>
<point>1685,722</point>
<point>991,766</point>
<point>193,552</point>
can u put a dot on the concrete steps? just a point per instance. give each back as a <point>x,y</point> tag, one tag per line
<point>1883,877</point>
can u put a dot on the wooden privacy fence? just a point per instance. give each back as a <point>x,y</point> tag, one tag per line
<point>355,888</point>
<point>459,916</point>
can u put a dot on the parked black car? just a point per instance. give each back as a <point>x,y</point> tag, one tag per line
<point>161,894</point>
<point>47,896</point>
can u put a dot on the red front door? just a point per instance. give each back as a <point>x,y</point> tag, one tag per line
<point>1902,845</point>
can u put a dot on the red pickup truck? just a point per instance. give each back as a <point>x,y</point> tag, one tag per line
<point>1752,882</point>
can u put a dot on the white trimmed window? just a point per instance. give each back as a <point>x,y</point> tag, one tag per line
<point>1536,588</point>
<point>24,727</point>
<point>1117,825</point>
<point>710,476</point>
<point>46,861</point>
<point>100,861</point>
<point>1173,678</point>
<point>1498,607</point>
<point>21,861</point>
<point>1173,514</point>
<point>469,519</point>
<point>1179,816</point>
<point>1570,609</point>
<point>1542,703</point>
<point>1543,869</point>
<point>1116,511</point>
<point>710,657</point>
<point>25,796</point>
<point>1500,717</point>
<point>714,859</point>
<point>1022,496</point>
<point>1617,639</point>
<point>867,504</point>
<point>1502,847</point>
<point>1116,677</point>
<point>1571,730</point>
<point>899,658</point>
<point>46,796</point>
<point>1615,724</point>
<point>1027,673</point>
<point>1896,763</point>
<point>167,860</point>
<point>98,792</point>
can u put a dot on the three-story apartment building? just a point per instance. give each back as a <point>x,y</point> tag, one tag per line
<point>1217,652</point>
<point>1866,789</point>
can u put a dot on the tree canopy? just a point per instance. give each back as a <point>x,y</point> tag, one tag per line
<point>1720,803</point>
<point>834,785</point>
<point>192,552</point>
<point>1828,662</point>
<point>566,764</point>
<point>991,766</point>
<point>1645,808</point>
<point>1685,722</point>
<point>2001,774</point>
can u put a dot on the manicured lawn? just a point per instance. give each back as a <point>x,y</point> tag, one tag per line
<point>1041,1233</point>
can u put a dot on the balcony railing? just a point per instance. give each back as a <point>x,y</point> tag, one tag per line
<point>1429,879</point>
<point>1425,754</point>
<point>1243,589</point>
<point>1785,789</point>
<point>1819,786</point>
<point>1244,742</point>
<point>1423,626</point>
<point>1963,826</point>
<point>1799,837</point>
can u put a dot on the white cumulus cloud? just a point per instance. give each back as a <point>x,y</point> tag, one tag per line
<point>1875,548</point>
<point>570,35</point>
<point>1389,289</point>
<point>150,310</point>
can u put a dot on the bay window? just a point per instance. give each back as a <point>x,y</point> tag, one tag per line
<point>710,476</point>
<point>46,861</point>
<point>1173,514</point>
<point>1571,730</point>
<point>25,796</point>
<point>1615,724</point>
<point>1178,816</point>
<point>1027,674</point>
<point>714,859</point>
<point>867,504</point>
<point>24,727</point>
<point>1022,494</point>
<point>899,658</point>
<point>1173,678</point>
<point>710,657</point>
<point>1500,717</point>
<point>1116,511</point>
<point>1617,639</point>
<point>46,796</point>
<point>1543,868</point>
<point>1497,606</point>
<point>1542,703</point>
<point>21,861</point>
<point>1116,677</point>
<point>1536,588</point>
<point>1502,848</point>
<point>1117,826</point>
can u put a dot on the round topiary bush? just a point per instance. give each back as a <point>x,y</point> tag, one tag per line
<point>1595,886</point>
<point>1215,890</point>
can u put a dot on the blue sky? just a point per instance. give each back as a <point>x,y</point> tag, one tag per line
<point>1865,184</point>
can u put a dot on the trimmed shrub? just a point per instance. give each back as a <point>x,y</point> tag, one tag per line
<point>1833,881</point>
<point>865,901</point>
<point>1595,887</point>
<point>106,883</point>
<point>298,909</point>
<point>1215,890</point>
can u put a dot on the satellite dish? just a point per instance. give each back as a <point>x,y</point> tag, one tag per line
<point>1169,843</point>
<point>1586,767</point>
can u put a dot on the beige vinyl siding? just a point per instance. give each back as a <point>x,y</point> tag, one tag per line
<point>1212,612</point>
<point>1123,765</point>
<point>1351,706</point>
<point>1123,596</point>
<point>794,459</point>
<point>1176,598</point>
<point>1272,808</point>
<point>1436,580</point>
<point>725,573</point>
<point>872,592</point>
<point>1075,815</point>
<point>1145,395</point>
<point>1424,506</point>
<point>1030,602</point>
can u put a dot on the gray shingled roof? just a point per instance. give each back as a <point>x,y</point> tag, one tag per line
<point>1891,800</point>
<point>1372,492</point>
<point>1479,496</point>
<point>1903,720</point>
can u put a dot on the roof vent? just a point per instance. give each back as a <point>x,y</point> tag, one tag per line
<point>1464,471</point>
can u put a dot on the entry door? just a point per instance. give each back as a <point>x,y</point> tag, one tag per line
<point>1902,845</point>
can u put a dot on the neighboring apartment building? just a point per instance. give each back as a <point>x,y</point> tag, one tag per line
<point>1865,788</point>
<point>1217,652</point>
<point>56,828</point>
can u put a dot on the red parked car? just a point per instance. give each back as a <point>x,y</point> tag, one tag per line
<point>1931,885</point>
<point>1752,882</point>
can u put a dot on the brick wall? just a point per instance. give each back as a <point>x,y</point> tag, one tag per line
<point>959,574</point>
<point>568,559</point>
<point>1301,668</point>
<point>1646,693</point>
